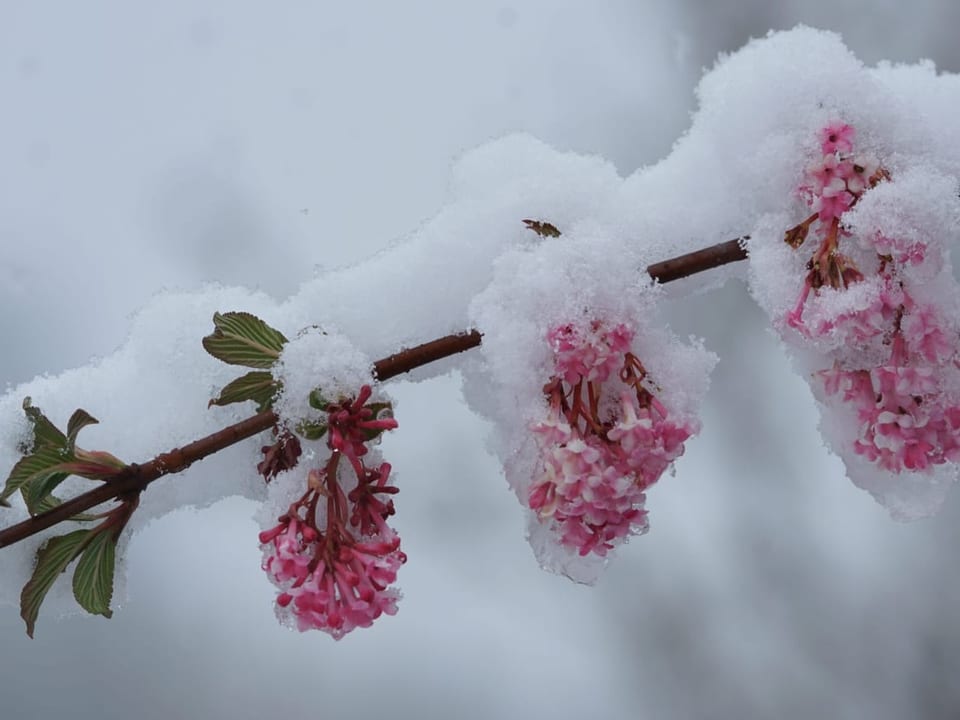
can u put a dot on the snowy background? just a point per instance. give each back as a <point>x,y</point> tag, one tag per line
<point>161,146</point>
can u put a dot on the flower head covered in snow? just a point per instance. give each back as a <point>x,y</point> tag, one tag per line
<point>907,419</point>
<point>834,184</point>
<point>605,439</point>
<point>332,553</point>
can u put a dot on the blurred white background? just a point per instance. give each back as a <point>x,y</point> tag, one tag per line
<point>161,145</point>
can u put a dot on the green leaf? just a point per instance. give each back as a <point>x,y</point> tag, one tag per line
<point>256,385</point>
<point>378,407</point>
<point>35,494</point>
<point>51,501</point>
<point>240,338</point>
<point>52,560</point>
<point>54,457</point>
<point>311,430</point>
<point>44,431</point>
<point>77,422</point>
<point>48,448</point>
<point>93,576</point>
<point>33,467</point>
<point>317,400</point>
<point>38,487</point>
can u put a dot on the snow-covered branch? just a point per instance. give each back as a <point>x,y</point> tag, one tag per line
<point>134,478</point>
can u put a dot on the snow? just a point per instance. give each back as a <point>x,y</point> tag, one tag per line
<point>474,264</point>
<point>318,359</point>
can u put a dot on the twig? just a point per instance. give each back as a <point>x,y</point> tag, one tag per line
<point>135,478</point>
<point>698,261</point>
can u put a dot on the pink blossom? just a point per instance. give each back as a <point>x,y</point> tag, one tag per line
<point>332,586</point>
<point>332,554</point>
<point>906,420</point>
<point>924,333</point>
<point>863,169</point>
<point>837,137</point>
<point>369,511</point>
<point>903,251</point>
<point>593,466</point>
<point>589,352</point>
<point>351,424</point>
<point>823,172</point>
<point>553,429</point>
<point>863,326</point>
<point>832,203</point>
<point>906,423</point>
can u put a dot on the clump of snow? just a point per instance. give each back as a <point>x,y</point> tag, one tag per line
<point>318,359</point>
<point>915,213</point>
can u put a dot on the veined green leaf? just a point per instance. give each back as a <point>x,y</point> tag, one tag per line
<point>93,576</point>
<point>31,467</point>
<point>39,486</point>
<point>256,385</point>
<point>79,420</point>
<point>54,457</point>
<point>52,559</point>
<point>240,338</point>
<point>317,400</point>
<point>44,431</point>
<point>51,501</point>
<point>378,409</point>
<point>311,430</point>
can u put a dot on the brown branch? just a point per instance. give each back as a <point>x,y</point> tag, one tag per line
<point>410,358</point>
<point>135,478</point>
<point>698,261</point>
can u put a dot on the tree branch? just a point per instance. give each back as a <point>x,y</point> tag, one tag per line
<point>135,478</point>
<point>698,261</point>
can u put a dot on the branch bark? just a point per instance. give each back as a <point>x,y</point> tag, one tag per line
<point>135,478</point>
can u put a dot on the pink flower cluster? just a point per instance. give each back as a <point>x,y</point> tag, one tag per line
<point>907,419</point>
<point>604,440</point>
<point>833,185</point>
<point>904,422</point>
<point>332,554</point>
<point>838,178</point>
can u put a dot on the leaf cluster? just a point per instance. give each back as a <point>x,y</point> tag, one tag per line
<point>240,338</point>
<point>50,458</point>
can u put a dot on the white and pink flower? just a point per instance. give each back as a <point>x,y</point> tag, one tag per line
<point>904,407</point>
<point>605,438</point>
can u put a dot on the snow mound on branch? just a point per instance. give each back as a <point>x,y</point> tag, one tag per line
<point>578,278</point>
<point>867,303</point>
<point>735,171</point>
<point>151,394</point>
<point>321,359</point>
